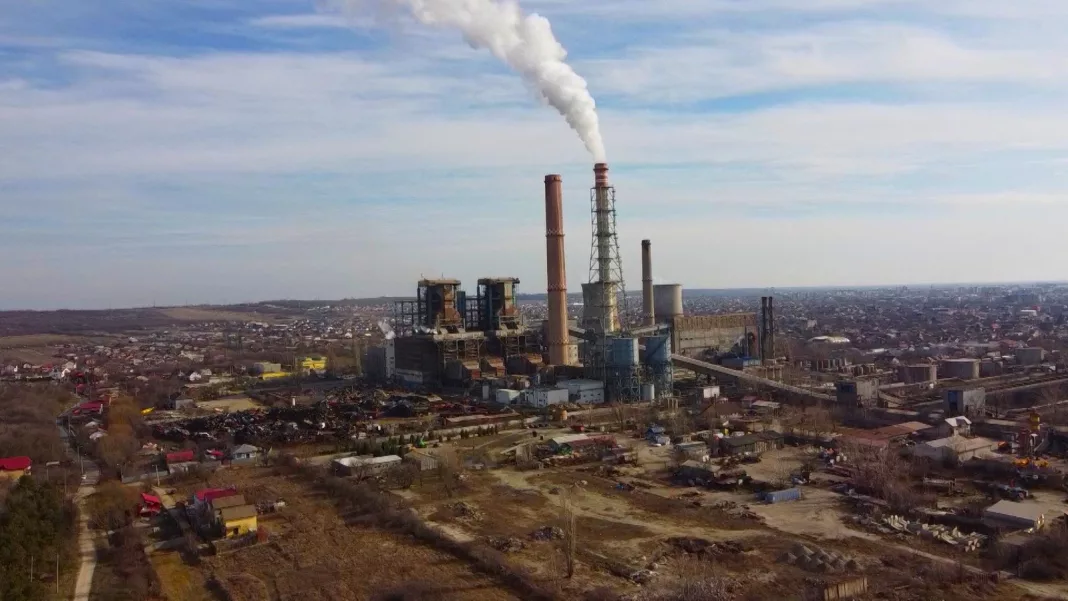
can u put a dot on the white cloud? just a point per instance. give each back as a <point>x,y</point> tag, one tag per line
<point>303,21</point>
<point>424,158</point>
<point>714,64</point>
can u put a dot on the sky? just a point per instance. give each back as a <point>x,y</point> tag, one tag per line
<point>219,151</point>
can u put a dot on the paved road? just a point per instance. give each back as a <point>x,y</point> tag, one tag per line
<point>86,549</point>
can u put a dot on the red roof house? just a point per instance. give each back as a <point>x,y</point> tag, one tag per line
<point>15,465</point>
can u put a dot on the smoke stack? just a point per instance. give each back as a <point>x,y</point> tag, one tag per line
<point>770,353</point>
<point>763,338</point>
<point>558,339</point>
<point>648,311</point>
<point>600,175</point>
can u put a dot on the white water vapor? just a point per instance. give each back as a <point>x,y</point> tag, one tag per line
<point>524,42</point>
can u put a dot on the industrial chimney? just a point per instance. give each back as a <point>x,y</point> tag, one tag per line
<point>648,312</point>
<point>558,340</point>
<point>601,295</point>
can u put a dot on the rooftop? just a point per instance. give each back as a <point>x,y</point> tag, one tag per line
<point>240,512</point>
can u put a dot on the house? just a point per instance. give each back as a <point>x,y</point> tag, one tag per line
<point>1014,515</point>
<point>957,426</point>
<point>245,452</point>
<point>186,456</point>
<point>696,470</point>
<point>238,521</point>
<point>693,450</point>
<point>13,468</point>
<point>216,506</point>
<point>204,497</point>
<point>755,443</point>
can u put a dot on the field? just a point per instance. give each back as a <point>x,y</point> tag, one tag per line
<point>315,555</point>
<point>213,314</point>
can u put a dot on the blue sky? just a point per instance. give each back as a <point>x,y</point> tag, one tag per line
<point>225,151</point>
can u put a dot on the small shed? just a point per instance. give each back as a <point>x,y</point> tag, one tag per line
<point>245,452</point>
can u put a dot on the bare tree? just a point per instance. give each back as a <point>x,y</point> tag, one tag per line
<point>570,541</point>
<point>448,469</point>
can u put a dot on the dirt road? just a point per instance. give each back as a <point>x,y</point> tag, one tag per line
<point>86,549</point>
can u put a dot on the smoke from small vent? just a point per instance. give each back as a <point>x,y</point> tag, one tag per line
<point>524,42</point>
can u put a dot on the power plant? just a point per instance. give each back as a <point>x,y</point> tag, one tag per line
<point>446,336</point>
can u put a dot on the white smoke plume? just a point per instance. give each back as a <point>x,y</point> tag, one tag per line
<point>524,42</point>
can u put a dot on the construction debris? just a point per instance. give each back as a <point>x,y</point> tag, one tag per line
<point>506,544</point>
<point>951,536</point>
<point>547,533</point>
<point>467,512</point>
<point>818,560</point>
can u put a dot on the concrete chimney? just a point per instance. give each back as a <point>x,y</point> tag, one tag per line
<point>558,338</point>
<point>648,311</point>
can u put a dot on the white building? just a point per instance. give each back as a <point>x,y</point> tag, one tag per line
<point>544,397</point>
<point>363,465</point>
<point>584,391</point>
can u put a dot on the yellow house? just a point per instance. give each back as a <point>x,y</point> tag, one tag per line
<point>13,468</point>
<point>316,364</point>
<point>239,521</point>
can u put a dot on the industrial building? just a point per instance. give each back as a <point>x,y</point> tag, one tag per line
<point>446,336</point>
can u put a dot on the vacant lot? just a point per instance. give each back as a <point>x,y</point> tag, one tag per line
<point>315,555</point>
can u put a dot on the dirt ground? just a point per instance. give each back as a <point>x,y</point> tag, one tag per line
<point>239,403</point>
<point>654,533</point>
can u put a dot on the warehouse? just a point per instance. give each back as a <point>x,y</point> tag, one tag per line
<point>756,443</point>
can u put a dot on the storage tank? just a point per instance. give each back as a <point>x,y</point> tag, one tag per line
<point>961,369</point>
<point>658,350</point>
<point>623,352</point>
<point>917,373</point>
<point>667,301</point>
<point>599,307</point>
<point>648,391</point>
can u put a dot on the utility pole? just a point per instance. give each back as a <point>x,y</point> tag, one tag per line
<point>57,572</point>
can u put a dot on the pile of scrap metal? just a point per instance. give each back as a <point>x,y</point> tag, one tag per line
<point>890,524</point>
<point>258,426</point>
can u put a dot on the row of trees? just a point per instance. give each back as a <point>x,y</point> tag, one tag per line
<point>28,426</point>
<point>37,526</point>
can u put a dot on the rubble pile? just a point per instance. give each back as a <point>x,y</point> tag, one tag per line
<point>705,548</point>
<point>818,560</point>
<point>466,511</point>
<point>735,510</point>
<point>547,533</point>
<point>891,524</point>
